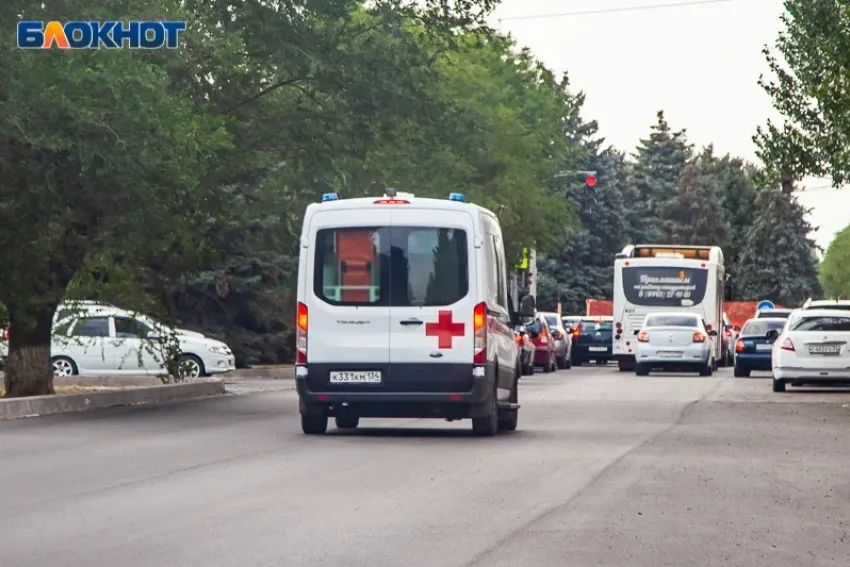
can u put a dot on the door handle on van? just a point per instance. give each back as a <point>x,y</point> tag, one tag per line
<point>411,322</point>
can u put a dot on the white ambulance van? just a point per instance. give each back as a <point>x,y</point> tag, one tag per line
<point>404,312</point>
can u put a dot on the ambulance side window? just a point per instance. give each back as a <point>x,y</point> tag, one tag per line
<point>492,269</point>
<point>502,297</point>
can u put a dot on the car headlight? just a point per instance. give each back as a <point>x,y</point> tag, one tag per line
<point>218,349</point>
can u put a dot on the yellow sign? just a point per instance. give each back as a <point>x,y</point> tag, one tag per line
<point>524,264</point>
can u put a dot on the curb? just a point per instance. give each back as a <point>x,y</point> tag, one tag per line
<point>64,403</point>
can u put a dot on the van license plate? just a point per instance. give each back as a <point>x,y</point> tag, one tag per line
<point>597,349</point>
<point>368,377</point>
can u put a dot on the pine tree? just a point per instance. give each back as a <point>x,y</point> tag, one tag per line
<point>695,213</point>
<point>659,163</point>
<point>778,260</point>
<point>584,268</point>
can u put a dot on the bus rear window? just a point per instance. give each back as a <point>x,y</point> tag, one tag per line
<point>660,286</point>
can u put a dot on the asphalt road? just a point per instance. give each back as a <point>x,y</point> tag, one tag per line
<point>606,470</point>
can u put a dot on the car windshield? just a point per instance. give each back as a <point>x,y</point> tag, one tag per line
<point>672,321</point>
<point>762,326</point>
<point>771,314</point>
<point>823,323</point>
<point>837,306</point>
<point>597,326</point>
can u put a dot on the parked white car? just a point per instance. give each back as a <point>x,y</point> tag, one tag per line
<point>812,348</point>
<point>112,341</point>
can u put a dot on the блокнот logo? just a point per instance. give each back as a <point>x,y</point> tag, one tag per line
<point>100,35</point>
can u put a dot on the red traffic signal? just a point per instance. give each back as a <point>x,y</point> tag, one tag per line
<point>590,180</point>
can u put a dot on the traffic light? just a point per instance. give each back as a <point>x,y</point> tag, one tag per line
<point>590,179</point>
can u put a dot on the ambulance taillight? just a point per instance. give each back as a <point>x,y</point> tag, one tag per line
<point>479,328</point>
<point>301,335</point>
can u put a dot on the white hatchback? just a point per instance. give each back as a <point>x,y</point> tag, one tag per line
<point>112,341</point>
<point>813,348</point>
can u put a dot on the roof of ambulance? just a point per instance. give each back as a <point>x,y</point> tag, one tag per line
<point>412,203</point>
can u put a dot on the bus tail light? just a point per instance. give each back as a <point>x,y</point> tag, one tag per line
<point>301,322</point>
<point>479,329</point>
<point>619,331</point>
<point>643,337</point>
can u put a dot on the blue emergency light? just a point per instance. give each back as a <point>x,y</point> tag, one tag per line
<point>329,197</point>
<point>457,197</point>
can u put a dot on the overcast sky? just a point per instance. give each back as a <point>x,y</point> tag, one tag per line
<point>698,63</point>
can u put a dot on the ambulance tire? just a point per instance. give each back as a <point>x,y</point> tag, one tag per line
<point>509,420</point>
<point>314,424</point>
<point>347,421</point>
<point>487,425</point>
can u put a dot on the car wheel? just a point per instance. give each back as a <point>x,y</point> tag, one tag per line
<point>741,372</point>
<point>548,366</point>
<point>778,385</point>
<point>559,362</point>
<point>347,421</point>
<point>488,425</point>
<point>314,424</point>
<point>641,370</point>
<point>63,367</point>
<point>509,420</point>
<point>568,362</point>
<point>191,366</point>
<point>707,370</point>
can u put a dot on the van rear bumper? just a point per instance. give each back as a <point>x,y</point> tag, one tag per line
<point>401,383</point>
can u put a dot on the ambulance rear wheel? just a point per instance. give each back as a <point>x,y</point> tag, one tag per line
<point>487,425</point>
<point>312,424</point>
<point>509,420</point>
<point>347,421</point>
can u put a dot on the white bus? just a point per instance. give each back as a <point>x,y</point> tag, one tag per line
<point>656,277</point>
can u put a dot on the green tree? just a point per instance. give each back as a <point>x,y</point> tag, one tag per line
<point>658,164</point>
<point>835,267</point>
<point>470,115</point>
<point>810,89</point>
<point>695,213</point>
<point>778,259</point>
<point>101,151</point>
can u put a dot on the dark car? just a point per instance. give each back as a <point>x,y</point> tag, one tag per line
<point>592,340</point>
<point>773,314</point>
<point>754,346</point>
<point>526,350</point>
<point>544,343</point>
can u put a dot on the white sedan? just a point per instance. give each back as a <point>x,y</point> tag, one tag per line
<point>813,348</point>
<point>114,342</point>
<point>674,341</point>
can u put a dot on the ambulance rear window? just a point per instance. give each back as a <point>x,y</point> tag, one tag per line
<point>398,266</point>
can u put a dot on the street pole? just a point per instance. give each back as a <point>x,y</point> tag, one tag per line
<point>532,270</point>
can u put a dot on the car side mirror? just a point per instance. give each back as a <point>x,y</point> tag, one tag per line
<point>772,334</point>
<point>637,332</point>
<point>526,306</point>
<point>712,333</point>
<point>569,330</point>
<point>736,328</point>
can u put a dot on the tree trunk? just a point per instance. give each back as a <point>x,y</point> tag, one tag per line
<point>28,368</point>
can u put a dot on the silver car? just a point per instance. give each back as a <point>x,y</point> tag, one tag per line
<point>675,341</point>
